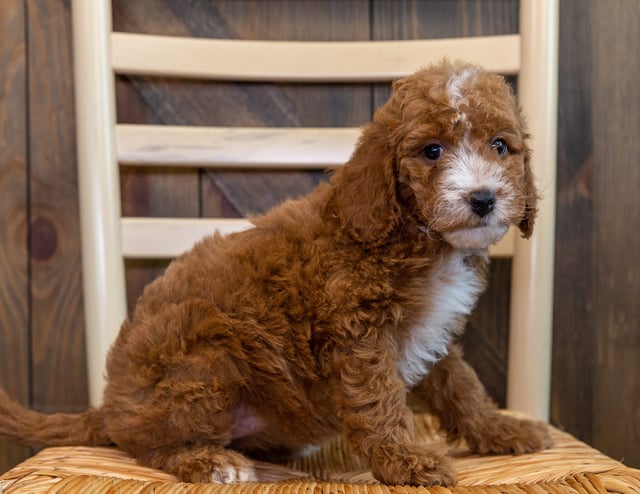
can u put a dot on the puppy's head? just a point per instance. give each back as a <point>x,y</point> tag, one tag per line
<point>448,152</point>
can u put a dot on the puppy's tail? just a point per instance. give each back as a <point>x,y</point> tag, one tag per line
<point>38,430</point>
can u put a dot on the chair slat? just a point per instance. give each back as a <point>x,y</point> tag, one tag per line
<point>302,148</point>
<point>169,237</point>
<point>243,60</point>
<point>149,238</point>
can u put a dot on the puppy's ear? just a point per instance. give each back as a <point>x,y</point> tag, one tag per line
<point>531,199</point>
<point>364,198</point>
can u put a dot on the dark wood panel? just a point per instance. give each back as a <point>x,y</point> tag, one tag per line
<point>415,19</point>
<point>574,327</point>
<point>58,348</point>
<point>14,337</point>
<point>616,243</point>
<point>245,19</point>
<point>486,337</point>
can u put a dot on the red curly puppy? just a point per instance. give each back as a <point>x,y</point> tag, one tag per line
<point>322,318</point>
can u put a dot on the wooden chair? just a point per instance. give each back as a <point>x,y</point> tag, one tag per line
<point>107,238</point>
<point>103,145</point>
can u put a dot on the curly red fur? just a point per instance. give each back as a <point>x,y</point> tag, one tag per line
<point>322,318</point>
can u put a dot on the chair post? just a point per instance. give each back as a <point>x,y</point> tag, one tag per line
<point>98,181</point>
<point>529,372</point>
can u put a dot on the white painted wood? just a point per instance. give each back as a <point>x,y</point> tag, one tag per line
<point>166,238</point>
<point>301,148</point>
<point>242,60</point>
<point>102,264</point>
<point>505,247</point>
<point>149,238</point>
<point>529,368</point>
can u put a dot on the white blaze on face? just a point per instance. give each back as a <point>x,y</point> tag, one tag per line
<point>468,171</point>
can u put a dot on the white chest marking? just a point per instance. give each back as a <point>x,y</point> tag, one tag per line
<point>454,288</point>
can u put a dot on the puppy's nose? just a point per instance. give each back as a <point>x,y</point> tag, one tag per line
<point>482,201</point>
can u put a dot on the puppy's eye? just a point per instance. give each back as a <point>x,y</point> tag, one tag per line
<point>500,146</point>
<point>433,151</point>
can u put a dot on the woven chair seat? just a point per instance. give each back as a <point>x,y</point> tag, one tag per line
<point>569,467</point>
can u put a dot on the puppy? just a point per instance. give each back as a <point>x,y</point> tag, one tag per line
<point>322,318</point>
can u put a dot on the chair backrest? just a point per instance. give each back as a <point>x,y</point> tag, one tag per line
<point>103,145</point>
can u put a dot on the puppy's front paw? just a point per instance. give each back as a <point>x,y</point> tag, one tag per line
<point>399,464</point>
<point>504,435</point>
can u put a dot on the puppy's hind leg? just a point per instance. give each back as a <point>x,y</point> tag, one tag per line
<point>175,387</point>
<point>203,464</point>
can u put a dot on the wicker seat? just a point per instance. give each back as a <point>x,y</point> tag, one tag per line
<point>569,467</point>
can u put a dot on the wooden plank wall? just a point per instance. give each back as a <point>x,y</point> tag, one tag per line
<point>596,334</point>
<point>58,380</point>
<point>14,217</point>
<point>596,362</point>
